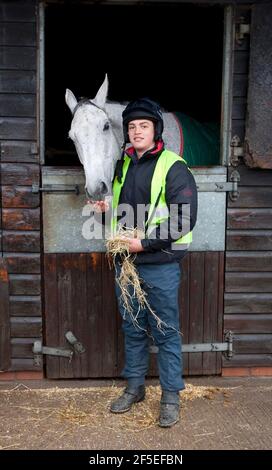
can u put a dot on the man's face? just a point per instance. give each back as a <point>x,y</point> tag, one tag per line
<point>141,134</point>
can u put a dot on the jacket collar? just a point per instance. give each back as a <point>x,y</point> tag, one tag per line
<point>154,152</point>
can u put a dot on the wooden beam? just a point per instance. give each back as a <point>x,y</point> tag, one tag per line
<point>4,317</point>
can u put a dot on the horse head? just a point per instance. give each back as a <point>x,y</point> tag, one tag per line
<point>95,140</point>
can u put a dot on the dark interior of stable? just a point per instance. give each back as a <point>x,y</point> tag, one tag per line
<point>171,53</point>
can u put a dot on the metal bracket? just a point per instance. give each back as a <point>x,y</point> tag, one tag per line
<point>38,350</point>
<point>78,347</point>
<point>226,347</point>
<point>230,186</point>
<point>235,178</point>
<point>237,150</point>
<point>56,188</point>
<point>241,30</point>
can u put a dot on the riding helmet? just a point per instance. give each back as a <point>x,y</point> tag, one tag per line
<point>143,108</point>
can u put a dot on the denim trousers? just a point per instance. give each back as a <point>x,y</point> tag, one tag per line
<point>161,283</point>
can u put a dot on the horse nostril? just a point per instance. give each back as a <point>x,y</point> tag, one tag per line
<point>103,188</point>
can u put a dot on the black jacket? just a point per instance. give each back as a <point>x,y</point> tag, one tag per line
<point>180,189</point>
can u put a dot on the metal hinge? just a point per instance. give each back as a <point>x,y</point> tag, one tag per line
<point>226,348</point>
<point>56,188</point>
<point>39,350</point>
<point>237,150</point>
<point>242,29</point>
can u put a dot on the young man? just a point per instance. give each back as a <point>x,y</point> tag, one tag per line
<point>150,175</point>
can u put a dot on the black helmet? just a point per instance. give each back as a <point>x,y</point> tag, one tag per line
<point>143,108</point>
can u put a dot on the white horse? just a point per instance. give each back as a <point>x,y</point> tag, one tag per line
<point>97,133</point>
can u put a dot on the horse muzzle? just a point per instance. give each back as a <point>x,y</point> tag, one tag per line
<point>100,192</point>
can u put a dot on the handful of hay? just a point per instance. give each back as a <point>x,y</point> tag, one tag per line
<point>128,280</point>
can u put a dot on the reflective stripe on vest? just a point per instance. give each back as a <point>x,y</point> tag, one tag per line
<point>158,210</point>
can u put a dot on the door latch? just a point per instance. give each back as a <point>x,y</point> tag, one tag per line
<point>39,350</point>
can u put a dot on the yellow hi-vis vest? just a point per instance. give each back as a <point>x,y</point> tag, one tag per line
<point>158,210</point>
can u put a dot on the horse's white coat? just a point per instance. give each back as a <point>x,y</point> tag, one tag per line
<point>98,137</point>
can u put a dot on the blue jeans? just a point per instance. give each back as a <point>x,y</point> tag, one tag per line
<point>161,283</point>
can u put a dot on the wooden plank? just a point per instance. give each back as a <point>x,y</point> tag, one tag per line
<point>243,45</point>
<point>184,301</point>
<point>220,323</point>
<point>253,197</point>
<point>18,58</point>
<point>242,323</point>
<point>252,343</point>
<point>248,282</point>
<point>22,347</point>
<point>25,327</point>
<point>210,309</point>
<point>210,312</point>
<point>4,317</point>
<point>25,306</point>
<point>18,105</point>
<point>25,284</point>
<point>19,151</point>
<point>79,321</point>
<point>258,128</point>
<point>21,241</point>
<point>239,108</point>
<point>21,219</point>
<point>51,313</point>
<point>65,307</point>
<point>110,314</point>
<point>239,85</point>
<point>196,309</point>
<point>19,196</point>
<point>18,81</point>
<point>121,351</point>
<point>253,177</point>
<point>22,128</point>
<point>249,360</point>
<point>94,305</point>
<point>17,34</point>
<point>24,364</point>
<point>249,218</point>
<point>248,261</point>
<point>241,62</point>
<point>248,303</point>
<point>17,11</point>
<point>23,263</point>
<point>257,240</point>
<point>20,174</point>
<point>238,128</point>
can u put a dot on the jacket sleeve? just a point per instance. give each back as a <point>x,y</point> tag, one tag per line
<point>181,200</point>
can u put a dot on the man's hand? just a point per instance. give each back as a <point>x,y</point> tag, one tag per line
<point>99,206</point>
<point>134,245</point>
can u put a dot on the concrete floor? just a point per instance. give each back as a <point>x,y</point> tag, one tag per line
<point>239,416</point>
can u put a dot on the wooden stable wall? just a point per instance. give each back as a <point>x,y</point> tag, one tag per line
<point>19,170</point>
<point>248,276</point>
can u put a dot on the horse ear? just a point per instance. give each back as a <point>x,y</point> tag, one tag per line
<point>101,96</point>
<point>70,99</point>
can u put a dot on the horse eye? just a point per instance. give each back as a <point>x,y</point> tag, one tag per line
<point>106,127</point>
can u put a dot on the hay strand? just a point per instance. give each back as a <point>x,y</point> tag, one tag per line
<point>128,280</point>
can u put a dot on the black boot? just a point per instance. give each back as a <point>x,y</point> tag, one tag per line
<point>169,409</point>
<point>129,396</point>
